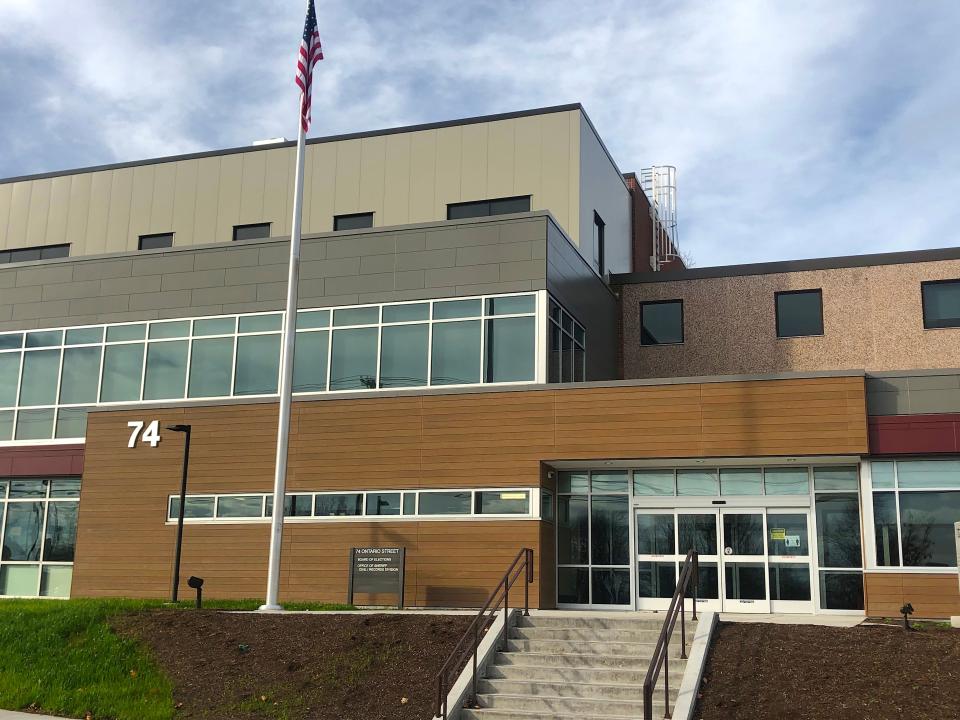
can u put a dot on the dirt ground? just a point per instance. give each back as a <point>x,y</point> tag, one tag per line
<point>231,666</point>
<point>796,672</point>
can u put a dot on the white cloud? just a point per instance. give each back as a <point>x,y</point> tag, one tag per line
<point>798,129</point>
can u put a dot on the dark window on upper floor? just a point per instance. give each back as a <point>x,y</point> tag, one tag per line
<point>661,322</point>
<point>485,208</point>
<point>799,313</point>
<point>156,241</point>
<point>251,232</point>
<point>599,260</point>
<point>356,221</point>
<point>45,252</point>
<point>941,303</point>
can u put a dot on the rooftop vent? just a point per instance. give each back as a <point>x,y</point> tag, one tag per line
<point>269,141</point>
<point>660,185</point>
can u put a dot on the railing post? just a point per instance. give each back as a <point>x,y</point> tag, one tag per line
<point>529,579</point>
<point>647,701</point>
<point>476,649</point>
<point>506,612</point>
<point>666,679</point>
<point>696,582</point>
<point>683,627</point>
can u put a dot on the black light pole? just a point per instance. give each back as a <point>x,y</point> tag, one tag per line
<point>183,501</point>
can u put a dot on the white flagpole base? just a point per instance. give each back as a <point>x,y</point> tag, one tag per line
<point>270,608</point>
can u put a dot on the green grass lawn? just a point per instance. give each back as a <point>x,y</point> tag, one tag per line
<point>61,657</point>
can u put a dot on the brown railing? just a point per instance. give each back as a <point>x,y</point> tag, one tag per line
<point>689,580</point>
<point>522,565</point>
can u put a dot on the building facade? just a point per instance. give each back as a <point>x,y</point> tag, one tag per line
<point>485,361</point>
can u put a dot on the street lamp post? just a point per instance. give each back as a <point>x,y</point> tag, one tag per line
<point>185,429</point>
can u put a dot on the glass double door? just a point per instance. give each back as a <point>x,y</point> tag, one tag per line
<point>751,559</point>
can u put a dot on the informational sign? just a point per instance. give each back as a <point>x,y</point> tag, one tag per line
<point>147,432</point>
<point>791,541</point>
<point>376,570</point>
<point>778,533</point>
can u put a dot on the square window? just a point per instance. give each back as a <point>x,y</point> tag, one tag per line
<point>661,322</point>
<point>155,242</point>
<point>356,221</point>
<point>255,231</point>
<point>941,304</point>
<point>799,313</point>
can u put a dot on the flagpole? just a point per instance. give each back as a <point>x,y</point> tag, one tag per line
<point>286,383</point>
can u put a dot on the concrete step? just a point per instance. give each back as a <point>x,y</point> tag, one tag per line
<point>498,714</point>
<point>602,675</point>
<point>563,705</point>
<point>649,635</point>
<point>579,690</point>
<point>586,647</point>
<point>626,620</point>
<point>579,660</point>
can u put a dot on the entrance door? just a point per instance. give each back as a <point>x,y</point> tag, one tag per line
<point>751,559</point>
<point>744,561</point>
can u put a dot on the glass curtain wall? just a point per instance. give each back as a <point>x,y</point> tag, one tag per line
<point>49,378</point>
<point>593,538</point>
<point>568,342</point>
<point>38,532</point>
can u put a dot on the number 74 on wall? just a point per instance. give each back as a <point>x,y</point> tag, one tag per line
<point>149,435</point>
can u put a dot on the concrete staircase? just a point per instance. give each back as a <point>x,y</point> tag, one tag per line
<point>577,667</point>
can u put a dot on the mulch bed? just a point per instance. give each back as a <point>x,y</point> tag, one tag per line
<point>795,672</point>
<point>236,666</point>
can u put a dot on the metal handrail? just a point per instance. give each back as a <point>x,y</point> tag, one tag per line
<point>690,570</point>
<point>522,563</point>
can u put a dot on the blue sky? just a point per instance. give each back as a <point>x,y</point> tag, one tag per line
<point>798,129</point>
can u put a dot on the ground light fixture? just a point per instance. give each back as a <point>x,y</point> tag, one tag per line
<point>175,585</point>
<point>197,584</point>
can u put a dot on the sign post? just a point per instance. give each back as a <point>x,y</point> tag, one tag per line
<point>376,570</point>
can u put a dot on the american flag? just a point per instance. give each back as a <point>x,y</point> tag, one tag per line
<point>310,54</point>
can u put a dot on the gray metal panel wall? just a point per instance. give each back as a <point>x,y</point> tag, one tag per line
<point>914,394</point>
<point>473,257</point>
<point>577,287</point>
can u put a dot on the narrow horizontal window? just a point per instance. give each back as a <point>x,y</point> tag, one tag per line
<point>340,504</point>
<point>242,506</point>
<point>383,503</point>
<point>156,241</point>
<point>45,252</point>
<point>445,503</point>
<point>255,231</point>
<point>354,221</point>
<point>195,507</point>
<point>486,208</point>
<point>502,502</point>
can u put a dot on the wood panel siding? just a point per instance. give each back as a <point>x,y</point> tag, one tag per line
<point>489,439</point>
<point>932,595</point>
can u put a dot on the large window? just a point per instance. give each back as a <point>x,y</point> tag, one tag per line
<point>941,303</point>
<point>410,504</point>
<point>49,378</point>
<point>915,506</point>
<point>799,313</point>
<point>38,532</point>
<point>661,322</point>
<point>568,347</point>
<point>840,555</point>
<point>484,208</point>
<point>45,252</point>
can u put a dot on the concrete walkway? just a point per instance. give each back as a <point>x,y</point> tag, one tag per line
<point>11,715</point>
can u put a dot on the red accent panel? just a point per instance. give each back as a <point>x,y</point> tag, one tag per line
<point>914,434</point>
<point>41,460</point>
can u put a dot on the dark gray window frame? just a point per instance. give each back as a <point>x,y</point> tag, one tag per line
<point>154,236</point>
<point>252,225</point>
<point>352,216</point>
<point>776,310</point>
<point>683,322</point>
<point>923,303</point>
